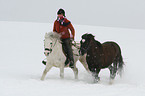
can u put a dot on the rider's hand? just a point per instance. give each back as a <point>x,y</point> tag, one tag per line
<point>71,36</point>
<point>73,41</point>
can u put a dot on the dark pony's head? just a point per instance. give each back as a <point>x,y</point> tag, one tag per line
<point>85,43</point>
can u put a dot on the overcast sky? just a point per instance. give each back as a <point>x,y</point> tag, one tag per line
<point>113,13</point>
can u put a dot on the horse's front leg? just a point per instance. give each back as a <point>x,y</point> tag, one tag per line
<point>62,71</point>
<point>75,70</point>
<point>45,71</point>
<point>96,75</point>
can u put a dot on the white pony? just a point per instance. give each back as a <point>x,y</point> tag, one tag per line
<point>55,56</point>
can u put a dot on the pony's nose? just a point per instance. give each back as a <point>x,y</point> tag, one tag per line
<point>80,53</point>
<point>46,53</point>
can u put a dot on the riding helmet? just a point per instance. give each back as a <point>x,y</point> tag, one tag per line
<point>61,11</point>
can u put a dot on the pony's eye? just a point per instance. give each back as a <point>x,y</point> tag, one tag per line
<point>51,43</point>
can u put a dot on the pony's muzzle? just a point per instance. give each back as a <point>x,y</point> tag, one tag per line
<point>47,51</point>
<point>82,51</point>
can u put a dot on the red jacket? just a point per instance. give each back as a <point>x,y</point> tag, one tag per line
<point>64,30</point>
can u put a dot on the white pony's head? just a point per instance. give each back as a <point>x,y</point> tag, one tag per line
<point>50,41</point>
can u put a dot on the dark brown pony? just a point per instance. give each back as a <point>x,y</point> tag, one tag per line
<point>101,56</point>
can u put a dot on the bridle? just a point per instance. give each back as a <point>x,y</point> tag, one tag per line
<point>47,49</point>
<point>50,49</point>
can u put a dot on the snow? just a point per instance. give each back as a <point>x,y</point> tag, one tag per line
<point>22,53</point>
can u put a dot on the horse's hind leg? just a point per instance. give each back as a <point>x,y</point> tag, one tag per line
<point>120,66</point>
<point>113,70</point>
<point>95,74</point>
<point>75,70</point>
<point>45,72</point>
<point>62,72</point>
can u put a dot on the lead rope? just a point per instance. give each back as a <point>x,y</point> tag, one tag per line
<point>75,45</point>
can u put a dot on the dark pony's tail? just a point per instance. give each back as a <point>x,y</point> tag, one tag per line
<point>120,65</point>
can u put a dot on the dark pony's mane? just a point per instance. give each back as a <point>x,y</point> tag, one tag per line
<point>98,44</point>
<point>90,36</point>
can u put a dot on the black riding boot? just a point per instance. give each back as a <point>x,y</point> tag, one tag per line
<point>66,46</point>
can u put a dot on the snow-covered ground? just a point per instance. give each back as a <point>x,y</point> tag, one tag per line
<point>21,53</point>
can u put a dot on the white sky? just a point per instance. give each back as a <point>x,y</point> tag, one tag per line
<point>113,13</point>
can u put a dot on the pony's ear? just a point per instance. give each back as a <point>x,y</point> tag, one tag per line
<point>51,35</point>
<point>56,35</point>
<point>90,36</point>
<point>46,35</point>
<point>85,36</point>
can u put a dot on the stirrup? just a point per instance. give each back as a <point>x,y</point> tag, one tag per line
<point>71,65</point>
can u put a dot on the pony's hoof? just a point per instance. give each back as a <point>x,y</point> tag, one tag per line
<point>111,81</point>
<point>42,79</point>
<point>96,80</point>
<point>71,66</point>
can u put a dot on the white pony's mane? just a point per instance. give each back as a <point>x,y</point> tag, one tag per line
<point>52,35</point>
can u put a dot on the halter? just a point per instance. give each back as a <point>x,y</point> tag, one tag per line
<point>48,49</point>
<point>76,46</point>
<point>86,47</point>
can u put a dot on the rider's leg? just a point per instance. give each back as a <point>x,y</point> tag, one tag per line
<point>67,48</point>
<point>65,51</point>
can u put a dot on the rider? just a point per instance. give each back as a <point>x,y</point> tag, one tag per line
<point>63,26</point>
